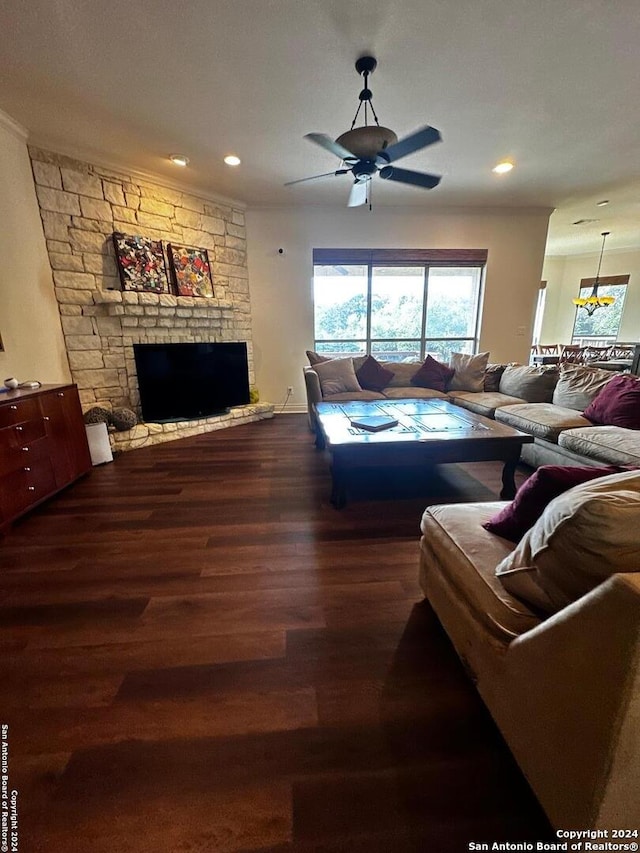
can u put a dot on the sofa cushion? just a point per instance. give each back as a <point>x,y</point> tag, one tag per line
<point>483,402</point>
<point>542,420</point>
<point>577,386</point>
<point>432,374</point>
<point>618,404</point>
<point>583,537</point>
<point>469,555</point>
<point>609,444</point>
<point>403,371</point>
<point>345,396</point>
<point>337,376</point>
<point>534,383</point>
<point>492,376</point>
<point>545,484</point>
<point>372,376</point>
<point>413,393</point>
<point>468,371</point>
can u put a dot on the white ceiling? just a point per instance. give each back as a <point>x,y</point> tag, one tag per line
<point>552,84</point>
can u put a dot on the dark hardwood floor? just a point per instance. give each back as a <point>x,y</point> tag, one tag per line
<point>198,653</point>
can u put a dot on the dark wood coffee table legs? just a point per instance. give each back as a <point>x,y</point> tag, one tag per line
<point>508,491</point>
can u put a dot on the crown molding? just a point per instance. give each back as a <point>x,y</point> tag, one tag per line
<point>13,127</point>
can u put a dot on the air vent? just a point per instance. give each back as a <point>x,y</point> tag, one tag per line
<point>584,221</point>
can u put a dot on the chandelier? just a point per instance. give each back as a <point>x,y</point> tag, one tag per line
<point>590,303</point>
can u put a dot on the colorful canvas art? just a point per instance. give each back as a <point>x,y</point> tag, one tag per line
<point>140,263</point>
<point>191,271</point>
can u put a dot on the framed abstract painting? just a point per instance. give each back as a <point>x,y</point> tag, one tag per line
<point>190,271</point>
<point>141,263</point>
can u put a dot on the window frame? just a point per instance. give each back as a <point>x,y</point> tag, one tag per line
<point>587,285</point>
<point>425,258</point>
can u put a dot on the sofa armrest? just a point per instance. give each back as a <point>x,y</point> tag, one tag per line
<point>568,703</point>
<point>314,393</point>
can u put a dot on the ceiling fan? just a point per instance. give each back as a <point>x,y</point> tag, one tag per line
<point>372,149</point>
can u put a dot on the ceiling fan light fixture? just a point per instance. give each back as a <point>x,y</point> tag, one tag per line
<point>232,160</point>
<point>503,167</point>
<point>369,149</point>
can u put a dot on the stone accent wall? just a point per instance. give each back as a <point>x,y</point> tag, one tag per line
<point>81,205</point>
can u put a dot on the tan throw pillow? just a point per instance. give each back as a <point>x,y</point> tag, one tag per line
<point>583,536</point>
<point>468,371</point>
<point>403,372</point>
<point>337,376</point>
<point>533,383</point>
<point>578,386</point>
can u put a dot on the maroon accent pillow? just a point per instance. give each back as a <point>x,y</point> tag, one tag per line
<point>618,404</point>
<point>372,376</point>
<point>433,374</point>
<point>532,498</point>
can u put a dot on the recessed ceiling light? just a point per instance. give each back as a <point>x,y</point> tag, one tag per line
<point>502,168</point>
<point>603,202</point>
<point>232,160</point>
<point>179,159</point>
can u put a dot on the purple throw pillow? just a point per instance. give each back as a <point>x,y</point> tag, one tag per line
<point>372,376</point>
<point>532,498</point>
<point>432,374</point>
<point>618,404</point>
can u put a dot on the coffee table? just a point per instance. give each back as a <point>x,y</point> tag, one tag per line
<point>429,432</point>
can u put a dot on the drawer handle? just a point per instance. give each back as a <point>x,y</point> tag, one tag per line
<point>46,418</point>
<point>60,393</point>
<point>14,408</point>
<point>31,488</point>
<point>26,469</point>
<point>26,449</point>
<point>19,429</point>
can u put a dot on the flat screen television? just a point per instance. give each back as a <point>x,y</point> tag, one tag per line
<point>186,381</point>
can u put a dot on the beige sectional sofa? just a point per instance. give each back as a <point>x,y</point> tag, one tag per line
<point>545,401</point>
<point>563,687</point>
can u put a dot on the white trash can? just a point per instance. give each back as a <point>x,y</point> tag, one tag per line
<point>99,445</point>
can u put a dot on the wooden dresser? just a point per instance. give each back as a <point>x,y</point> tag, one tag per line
<point>43,446</point>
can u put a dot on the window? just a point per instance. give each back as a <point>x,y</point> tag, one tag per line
<point>398,305</point>
<point>602,327</point>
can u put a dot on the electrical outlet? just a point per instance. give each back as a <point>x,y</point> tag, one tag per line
<point>289,389</point>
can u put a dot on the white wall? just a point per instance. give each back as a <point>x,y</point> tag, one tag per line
<point>281,285</point>
<point>29,319</point>
<point>563,277</point>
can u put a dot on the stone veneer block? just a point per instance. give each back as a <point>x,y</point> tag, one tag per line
<point>81,183</point>
<point>47,175</point>
<point>168,300</point>
<point>58,201</point>
<point>148,298</point>
<point>113,193</point>
<point>101,297</point>
<point>93,209</point>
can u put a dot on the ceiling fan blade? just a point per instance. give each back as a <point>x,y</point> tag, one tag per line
<point>315,177</point>
<point>327,142</point>
<point>414,142</point>
<point>358,193</point>
<point>407,176</point>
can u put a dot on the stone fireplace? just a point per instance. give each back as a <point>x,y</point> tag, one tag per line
<point>81,205</point>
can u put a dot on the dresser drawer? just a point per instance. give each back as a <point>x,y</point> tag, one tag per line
<point>19,489</point>
<point>29,455</point>
<point>21,434</point>
<point>20,410</point>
